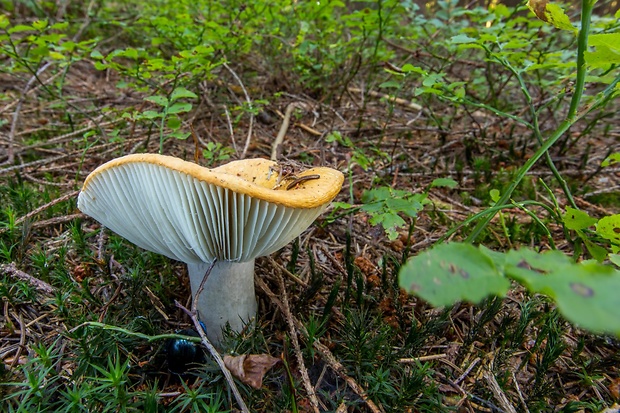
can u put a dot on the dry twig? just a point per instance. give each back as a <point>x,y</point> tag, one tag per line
<point>205,341</point>
<point>12,270</point>
<point>276,148</point>
<point>314,401</point>
<point>323,351</point>
<point>247,98</point>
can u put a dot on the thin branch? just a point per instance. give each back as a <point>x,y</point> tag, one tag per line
<point>247,98</point>
<point>324,351</point>
<point>18,108</point>
<point>305,379</point>
<point>12,270</point>
<point>276,148</point>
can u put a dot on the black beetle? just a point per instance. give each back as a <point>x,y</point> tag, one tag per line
<point>183,354</point>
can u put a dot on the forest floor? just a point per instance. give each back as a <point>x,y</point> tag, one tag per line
<point>365,345</point>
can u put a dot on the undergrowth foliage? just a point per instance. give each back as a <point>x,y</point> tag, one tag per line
<point>454,124</point>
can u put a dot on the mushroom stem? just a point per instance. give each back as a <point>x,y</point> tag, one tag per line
<point>227,298</point>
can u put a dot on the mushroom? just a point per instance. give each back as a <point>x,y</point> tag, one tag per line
<point>230,214</point>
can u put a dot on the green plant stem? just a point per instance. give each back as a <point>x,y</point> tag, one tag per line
<point>491,212</point>
<point>572,117</point>
<point>582,46</point>
<point>535,126</point>
<point>135,334</point>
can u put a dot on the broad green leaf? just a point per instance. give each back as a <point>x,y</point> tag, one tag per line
<point>444,182</point>
<point>173,122</point>
<point>340,205</point>
<point>20,28</point>
<point>609,228</point>
<point>409,68</point>
<point>4,21</point>
<point>180,107</point>
<point>609,40</point>
<point>452,272</point>
<point>462,38</point>
<point>586,294</point>
<point>56,55</point>
<point>130,53</point>
<point>596,251</point>
<point>551,13</point>
<point>39,24</point>
<point>60,26</point>
<point>604,55</point>
<point>151,114</point>
<point>157,99</point>
<point>526,265</point>
<point>494,194</point>
<point>96,54</point>
<point>612,159</point>
<point>181,92</point>
<point>180,135</point>
<point>391,84</point>
<point>410,207</point>
<point>390,223</point>
<point>576,219</point>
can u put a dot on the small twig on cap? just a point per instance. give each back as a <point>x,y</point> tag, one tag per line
<point>205,340</point>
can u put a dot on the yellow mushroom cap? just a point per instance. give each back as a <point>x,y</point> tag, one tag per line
<point>235,212</point>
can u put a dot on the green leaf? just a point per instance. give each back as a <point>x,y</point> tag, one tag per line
<point>609,228</point>
<point>180,135</point>
<point>151,114</point>
<point>409,68</point>
<point>462,38</point>
<point>596,251</point>
<point>452,272</point>
<point>157,99</point>
<point>612,159</point>
<point>410,207</point>
<point>130,53</point>
<point>180,107</point>
<point>494,194</point>
<point>444,182</point>
<point>390,223</point>
<point>173,122</point>
<point>606,53</point>
<point>56,55</point>
<point>180,93</point>
<point>586,294</point>
<point>20,28</point>
<point>4,21</point>
<point>576,219</point>
<point>526,265</point>
<point>39,24</point>
<point>551,13</point>
<point>96,54</point>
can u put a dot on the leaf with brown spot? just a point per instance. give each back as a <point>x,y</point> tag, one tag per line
<point>585,293</point>
<point>453,272</point>
<point>250,368</point>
